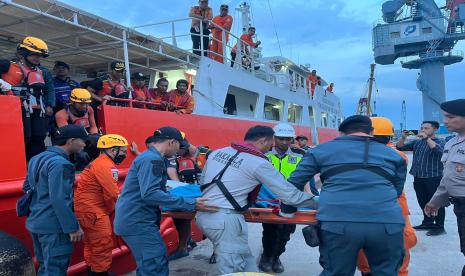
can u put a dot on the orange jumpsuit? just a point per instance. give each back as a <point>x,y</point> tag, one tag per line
<point>312,80</point>
<point>410,237</point>
<point>248,40</point>
<point>183,103</point>
<point>94,203</point>
<point>217,42</point>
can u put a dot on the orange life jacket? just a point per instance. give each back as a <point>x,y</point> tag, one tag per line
<point>187,168</point>
<point>80,121</point>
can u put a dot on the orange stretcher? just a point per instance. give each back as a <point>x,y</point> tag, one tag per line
<point>260,215</point>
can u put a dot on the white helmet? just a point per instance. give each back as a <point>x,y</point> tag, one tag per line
<point>284,130</point>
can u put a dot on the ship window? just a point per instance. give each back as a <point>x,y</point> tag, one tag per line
<point>395,35</point>
<point>273,109</point>
<point>324,119</point>
<point>427,30</point>
<point>311,113</point>
<point>294,113</point>
<point>240,102</point>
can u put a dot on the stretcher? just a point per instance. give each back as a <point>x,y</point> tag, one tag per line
<point>257,215</point>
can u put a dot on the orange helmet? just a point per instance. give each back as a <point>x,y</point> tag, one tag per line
<point>382,126</point>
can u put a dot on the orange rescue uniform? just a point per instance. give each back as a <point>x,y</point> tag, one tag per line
<point>94,203</point>
<point>410,237</point>
<point>247,39</point>
<point>155,95</point>
<point>65,117</point>
<point>311,83</point>
<point>217,42</point>
<point>184,103</point>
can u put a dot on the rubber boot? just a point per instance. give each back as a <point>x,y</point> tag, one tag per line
<point>277,266</point>
<point>265,264</point>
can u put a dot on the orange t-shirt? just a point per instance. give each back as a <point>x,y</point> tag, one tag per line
<point>97,188</point>
<point>196,10</point>
<point>184,103</point>
<point>248,40</point>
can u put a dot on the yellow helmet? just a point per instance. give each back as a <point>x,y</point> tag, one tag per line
<point>34,45</point>
<point>111,140</point>
<point>382,126</point>
<point>80,95</point>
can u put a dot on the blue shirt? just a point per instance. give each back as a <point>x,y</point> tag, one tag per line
<point>137,209</point>
<point>52,201</point>
<point>63,91</point>
<point>426,161</point>
<point>358,195</point>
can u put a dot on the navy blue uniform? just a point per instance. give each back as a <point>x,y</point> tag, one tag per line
<point>358,209</point>
<point>51,217</point>
<point>138,213</point>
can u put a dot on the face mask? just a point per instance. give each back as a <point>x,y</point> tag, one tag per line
<point>119,159</point>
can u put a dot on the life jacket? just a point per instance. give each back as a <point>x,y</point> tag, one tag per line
<point>118,90</point>
<point>27,83</point>
<point>187,169</point>
<point>185,98</point>
<point>79,121</point>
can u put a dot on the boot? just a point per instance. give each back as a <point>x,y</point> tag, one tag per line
<point>366,273</point>
<point>277,265</point>
<point>265,264</point>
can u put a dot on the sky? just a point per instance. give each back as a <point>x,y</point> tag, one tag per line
<point>334,37</point>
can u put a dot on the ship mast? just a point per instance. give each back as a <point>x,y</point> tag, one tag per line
<point>246,19</point>
<point>364,104</point>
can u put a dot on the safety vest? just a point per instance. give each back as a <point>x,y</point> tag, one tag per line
<point>187,169</point>
<point>287,164</point>
<point>79,121</point>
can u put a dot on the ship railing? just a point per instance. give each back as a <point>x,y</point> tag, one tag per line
<point>432,54</point>
<point>181,39</point>
<point>134,103</point>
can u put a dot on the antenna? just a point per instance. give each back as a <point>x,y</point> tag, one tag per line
<point>403,117</point>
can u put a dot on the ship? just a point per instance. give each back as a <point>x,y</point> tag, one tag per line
<point>228,100</point>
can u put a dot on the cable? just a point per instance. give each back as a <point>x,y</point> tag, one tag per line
<point>275,30</point>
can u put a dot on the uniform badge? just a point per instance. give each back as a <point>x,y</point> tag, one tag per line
<point>292,160</point>
<point>114,174</point>
<point>459,168</point>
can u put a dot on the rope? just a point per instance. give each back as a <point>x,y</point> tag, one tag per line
<point>275,30</point>
<point>209,99</point>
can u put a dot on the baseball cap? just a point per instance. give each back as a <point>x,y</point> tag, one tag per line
<point>168,132</point>
<point>360,120</point>
<point>138,76</point>
<point>62,64</point>
<point>301,137</point>
<point>117,65</point>
<point>71,131</point>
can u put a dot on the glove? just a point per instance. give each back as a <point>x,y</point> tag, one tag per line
<point>4,86</point>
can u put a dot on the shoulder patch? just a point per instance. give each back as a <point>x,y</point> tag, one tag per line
<point>114,174</point>
<point>158,167</point>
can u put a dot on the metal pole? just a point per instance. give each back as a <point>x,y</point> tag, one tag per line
<point>223,45</point>
<point>201,38</point>
<point>173,33</point>
<point>126,59</point>
<point>238,53</point>
<point>370,88</point>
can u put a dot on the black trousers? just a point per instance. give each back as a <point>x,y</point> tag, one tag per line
<point>35,130</point>
<point>196,45</point>
<point>233,58</point>
<point>275,237</point>
<point>425,189</point>
<point>459,210</point>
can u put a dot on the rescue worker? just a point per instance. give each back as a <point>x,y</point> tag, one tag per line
<point>452,187</point>
<point>358,208</point>
<point>114,85</point>
<point>312,81</point>
<point>383,131</point>
<point>137,214</point>
<point>201,15</point>
<point>94,202</point>
<point>275,236</point>
<point>63,84</point>
<point>138,84</point>
<point>51,222</point>
<point>179,100</point>
<point>225,21</point>
<point>302,142</point>
<point>34,85</point>
<point>156,95</point>
<point>330,88</point>
<point>246,41</point>
<point>231,180</point>
<point>80,113</point>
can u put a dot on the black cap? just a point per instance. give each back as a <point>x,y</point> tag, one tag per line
<point>168,132</point>
<point>360,120</point>
<point>71,131</point>
<point>4,66</point>
<point>138,76</point>
<point>301,137</point>
<point>62,64</point>
<point>117,65</point>
<point>455,107</point>
<point>224,7</point>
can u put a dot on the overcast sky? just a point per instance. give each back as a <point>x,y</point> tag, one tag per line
<point>334,37</point>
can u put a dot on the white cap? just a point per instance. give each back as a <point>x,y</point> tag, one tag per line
<point>284,130</point>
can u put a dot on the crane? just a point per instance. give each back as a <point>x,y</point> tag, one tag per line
<point>365,101</point>
<point>425,35</point>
